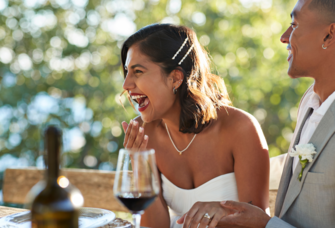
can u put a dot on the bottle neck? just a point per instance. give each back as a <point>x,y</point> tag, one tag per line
<point>52,154</point>
<point>52,169</point>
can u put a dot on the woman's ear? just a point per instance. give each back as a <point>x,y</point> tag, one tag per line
<point>177,77</point>
<point>330,38</point>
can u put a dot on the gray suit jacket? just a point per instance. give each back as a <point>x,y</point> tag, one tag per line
<point>311,202</point>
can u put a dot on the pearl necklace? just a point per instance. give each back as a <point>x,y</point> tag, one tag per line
<point>180,151</point>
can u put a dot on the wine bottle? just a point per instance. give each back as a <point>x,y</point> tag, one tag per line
<point>57,204</point>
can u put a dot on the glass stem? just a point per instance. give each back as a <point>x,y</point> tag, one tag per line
<point>137,220</point>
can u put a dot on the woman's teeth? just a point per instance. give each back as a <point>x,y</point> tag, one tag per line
<point>137,96</point>
<point>144,102</point>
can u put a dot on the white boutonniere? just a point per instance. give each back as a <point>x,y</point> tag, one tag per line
<point>305,153</point>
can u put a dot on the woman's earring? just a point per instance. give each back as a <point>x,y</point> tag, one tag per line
<point>174,90</point>
<point>323,46</point>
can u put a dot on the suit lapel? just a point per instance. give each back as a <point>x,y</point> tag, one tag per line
<point>321,136</point>
<point>284,182</point>
<point>287,171</point>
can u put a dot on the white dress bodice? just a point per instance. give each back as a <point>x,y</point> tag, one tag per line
<point>181,200</point>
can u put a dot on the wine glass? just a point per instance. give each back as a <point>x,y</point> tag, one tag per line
<point>136,181</point>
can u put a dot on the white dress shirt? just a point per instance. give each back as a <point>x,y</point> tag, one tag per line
<point>313,121</point>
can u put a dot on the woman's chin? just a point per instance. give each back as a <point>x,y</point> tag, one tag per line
<point>146,118</point>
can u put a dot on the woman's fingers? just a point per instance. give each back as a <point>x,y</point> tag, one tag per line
<point>216,215</point>
<point>124,126</point>
<point>144,143</point>
<point>204,214</point>
<point>189,216</point>
<point>204,222</point>
<point>127,133</point>
<point>181,219</point>
<point>199,220</point>
<point>189,221</point>
<point>215,219</point>
<point>139,138</point>
<point>132,135</point>
<point>207,215</point>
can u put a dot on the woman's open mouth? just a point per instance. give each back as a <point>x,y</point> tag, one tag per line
<point>142,100</point>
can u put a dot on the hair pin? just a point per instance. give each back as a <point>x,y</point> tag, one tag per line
<point>180,48</point>
<point>188,52</point>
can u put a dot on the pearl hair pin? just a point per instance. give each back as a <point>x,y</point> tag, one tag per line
<point>180,48</point>
<point>188,52</point>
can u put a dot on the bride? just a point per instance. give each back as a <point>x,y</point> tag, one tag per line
<point>206,150</point>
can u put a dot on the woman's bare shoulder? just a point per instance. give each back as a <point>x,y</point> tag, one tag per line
<point>233,117</point>
<point>242,125</point>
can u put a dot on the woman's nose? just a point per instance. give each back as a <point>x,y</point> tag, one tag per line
<point>128,83</point>
<point>285,38</point>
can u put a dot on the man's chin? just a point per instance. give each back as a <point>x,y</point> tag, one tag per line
<point>294,73</point>
<point>293,76</point>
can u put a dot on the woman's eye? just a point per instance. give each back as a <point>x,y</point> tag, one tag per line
<point>138,72</point>
<point>294,26</point>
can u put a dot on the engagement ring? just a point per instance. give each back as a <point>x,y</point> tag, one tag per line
<point>207,216</point>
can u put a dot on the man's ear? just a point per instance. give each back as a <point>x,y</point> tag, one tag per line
<point>330,38</point>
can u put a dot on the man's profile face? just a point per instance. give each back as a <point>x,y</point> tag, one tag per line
<point>305,37</point>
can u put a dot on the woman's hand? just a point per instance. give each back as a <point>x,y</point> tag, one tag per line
<point>196,214</point>
<point>134,138</point>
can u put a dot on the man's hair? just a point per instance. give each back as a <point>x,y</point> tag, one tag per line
<point>325,7</point>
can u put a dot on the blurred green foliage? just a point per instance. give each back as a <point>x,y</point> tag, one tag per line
<point>60,64</point>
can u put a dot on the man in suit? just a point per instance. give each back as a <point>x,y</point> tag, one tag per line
<point>309,202</point>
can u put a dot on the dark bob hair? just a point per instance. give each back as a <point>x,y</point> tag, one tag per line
<point>201,93</point>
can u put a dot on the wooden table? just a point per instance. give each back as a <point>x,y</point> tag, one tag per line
<point>4,211</point>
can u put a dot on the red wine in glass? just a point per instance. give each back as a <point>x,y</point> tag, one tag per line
<point>136,181</point>
<point>136,202</point>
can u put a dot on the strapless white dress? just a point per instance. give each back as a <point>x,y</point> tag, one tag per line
<point>181,200</point>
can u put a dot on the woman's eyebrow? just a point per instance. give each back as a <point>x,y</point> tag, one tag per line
<point>137,65</point>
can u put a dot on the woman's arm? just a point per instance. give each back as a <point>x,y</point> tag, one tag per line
<point>251,162</point>
<point>157,214</point>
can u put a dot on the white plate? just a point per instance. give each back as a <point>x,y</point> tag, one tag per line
<point>88,218</point>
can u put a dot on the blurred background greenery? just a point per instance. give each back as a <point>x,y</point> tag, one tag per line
<point>60,64</point>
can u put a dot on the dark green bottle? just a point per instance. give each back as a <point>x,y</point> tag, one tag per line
<point>57,204</point>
